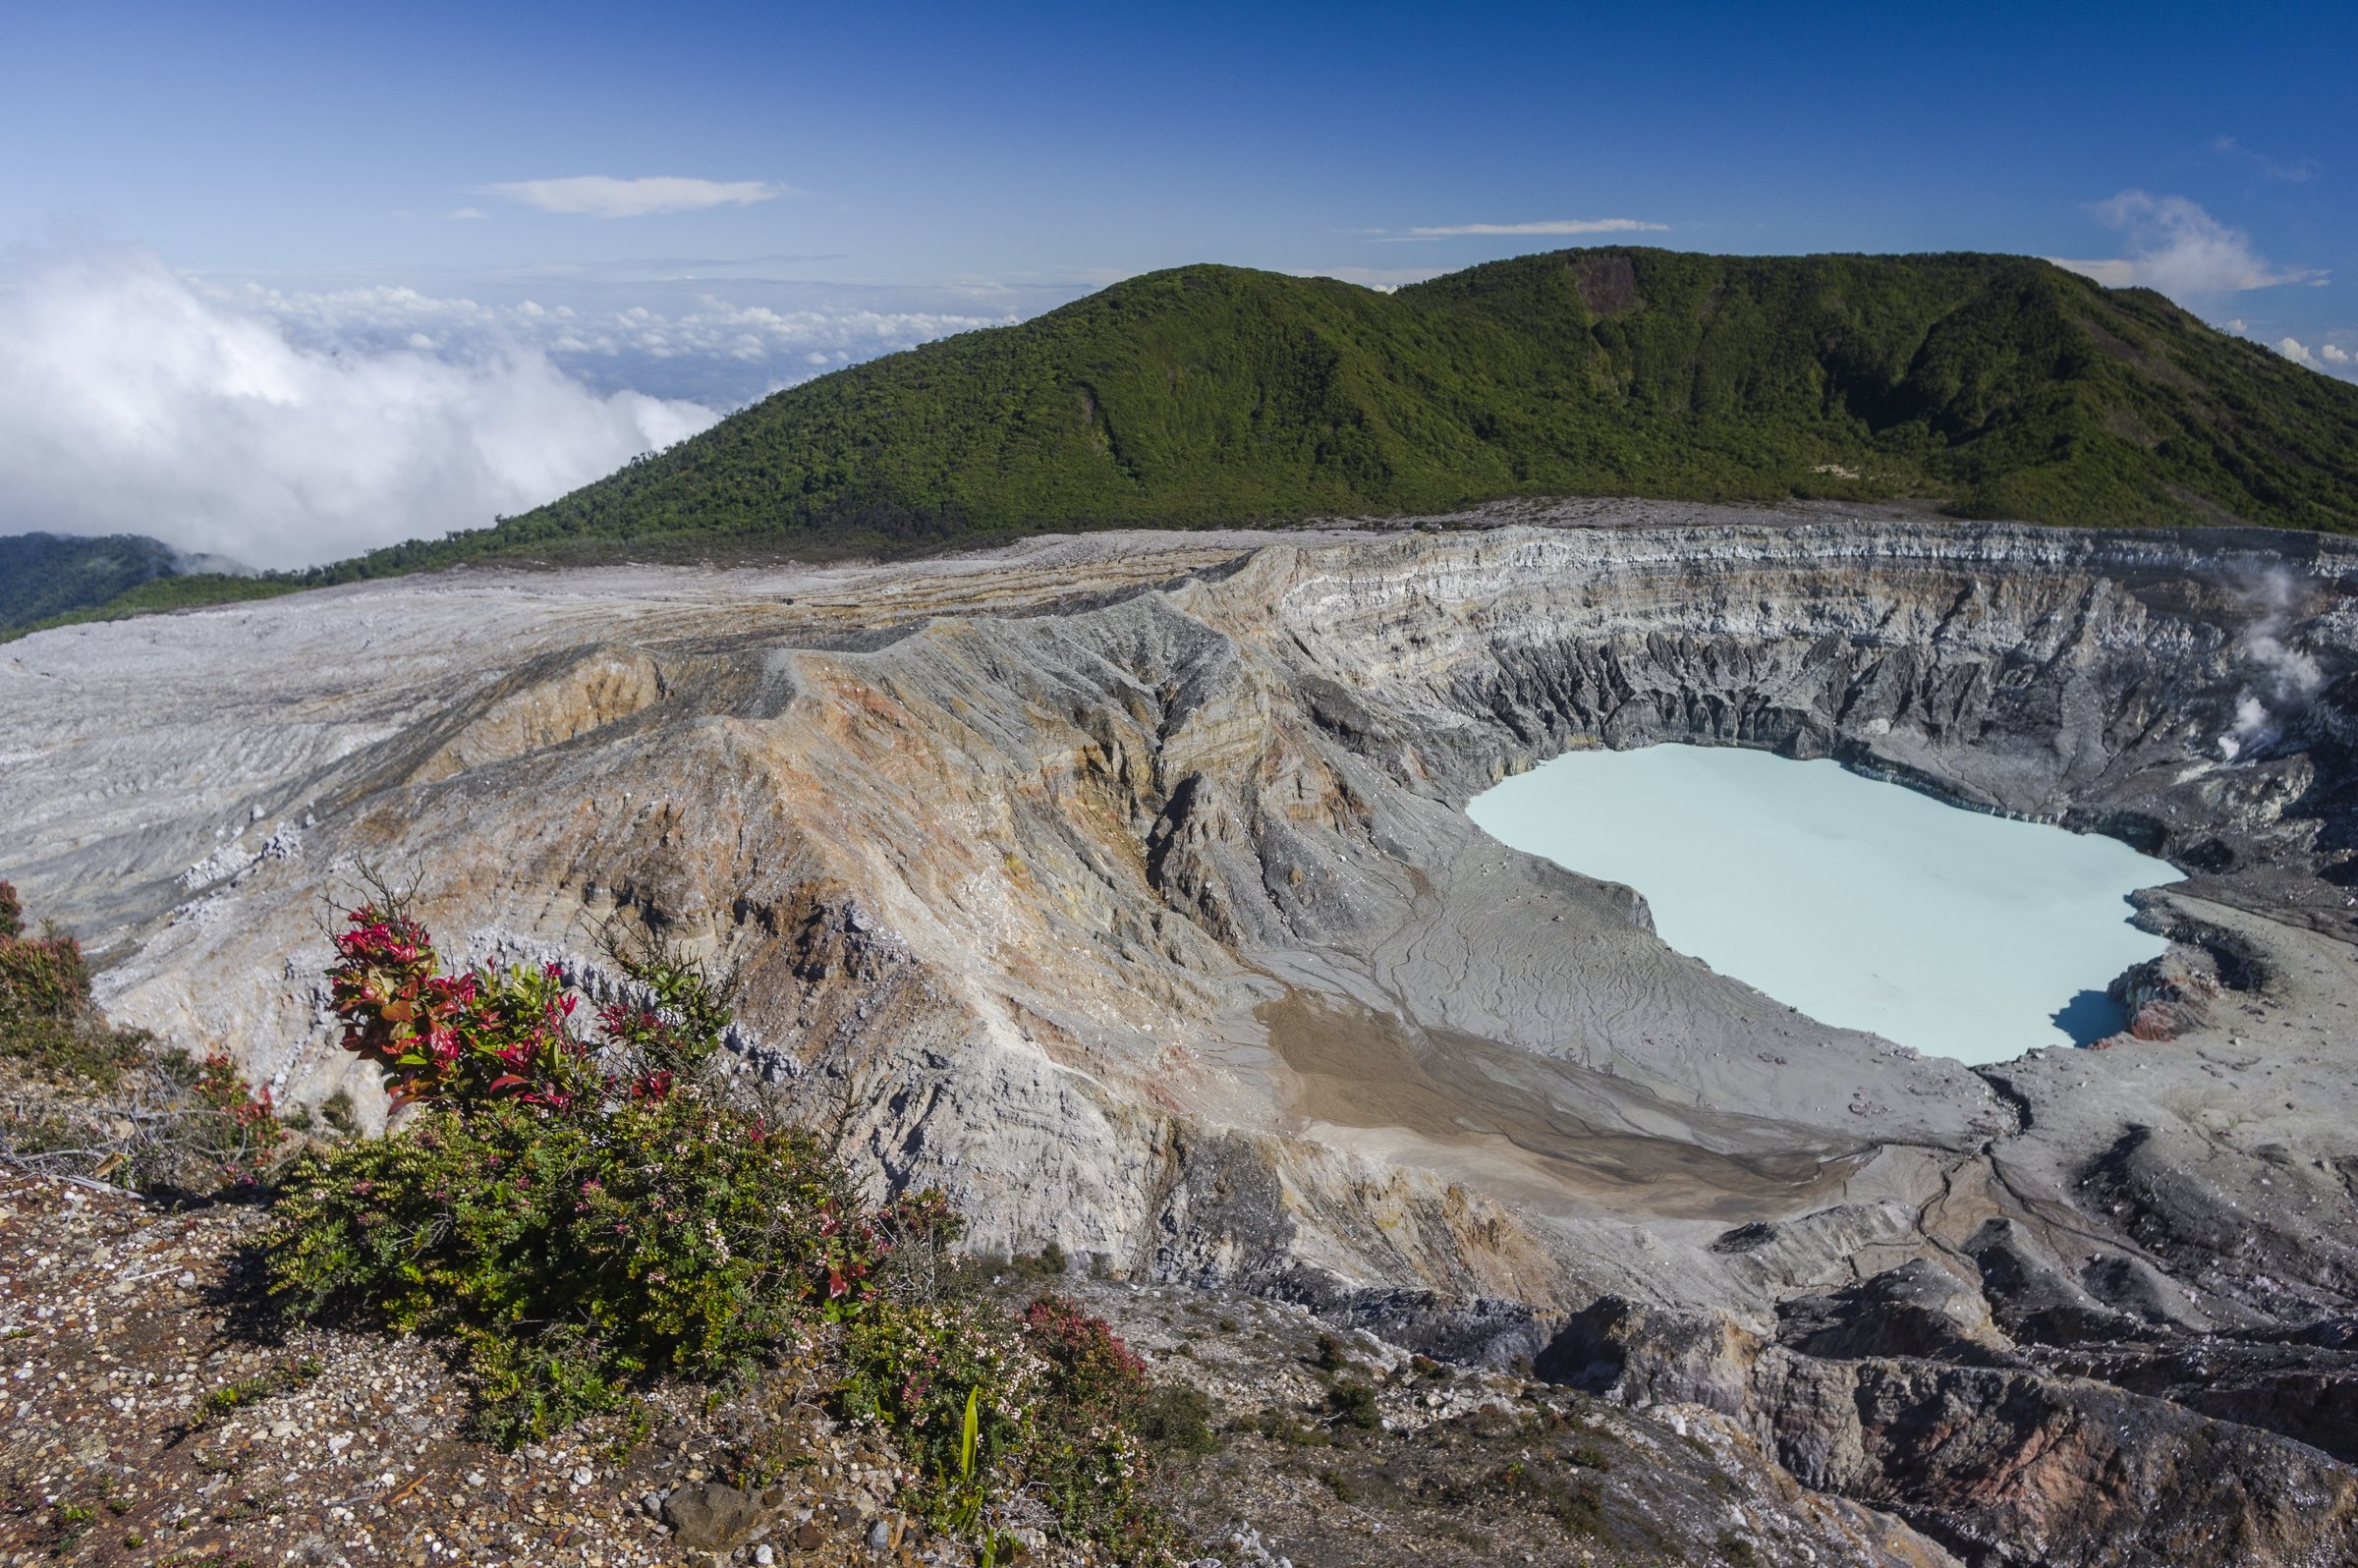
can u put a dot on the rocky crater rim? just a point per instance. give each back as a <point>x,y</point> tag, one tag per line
<point>1029,866</point>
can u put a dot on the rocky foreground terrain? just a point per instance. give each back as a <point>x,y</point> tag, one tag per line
<point>156,1419</point>
<point>1121,887</point>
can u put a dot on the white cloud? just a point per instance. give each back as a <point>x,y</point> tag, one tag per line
<point>130,403</point>
<point>2328,358</point>
<point>748,347</point>
<point>2180,250</point>
<point>1543,226</point>
<point>2299,169</point>
<point>1547,226</point>
<point>601,196</point>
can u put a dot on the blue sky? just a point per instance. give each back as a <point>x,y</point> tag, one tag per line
<point>469,190</point>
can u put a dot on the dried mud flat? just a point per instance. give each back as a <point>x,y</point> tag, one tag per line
<point>127,1334</point>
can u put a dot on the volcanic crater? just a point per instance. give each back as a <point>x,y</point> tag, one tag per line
<point>1122,885</point>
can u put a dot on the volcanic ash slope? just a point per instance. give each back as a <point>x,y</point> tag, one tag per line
<point>1121,886</point>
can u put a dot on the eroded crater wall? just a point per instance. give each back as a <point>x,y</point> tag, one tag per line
<point>1122,887</point>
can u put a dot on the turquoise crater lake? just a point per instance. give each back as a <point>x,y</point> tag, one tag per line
<point>1864,904</point>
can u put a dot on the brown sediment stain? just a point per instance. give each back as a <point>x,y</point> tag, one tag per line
<point>1543,1133</point>
<point>547,703</point>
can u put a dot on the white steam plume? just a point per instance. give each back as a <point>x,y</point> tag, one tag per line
<point>2282,679</point>
<point>128,404</point>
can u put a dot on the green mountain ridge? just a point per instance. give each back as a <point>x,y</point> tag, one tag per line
<point>2004,386</point>
<point>1998,386</point>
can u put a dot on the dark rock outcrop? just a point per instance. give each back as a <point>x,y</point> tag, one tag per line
<point>2003,1464</point>
<point>1918,1308</point>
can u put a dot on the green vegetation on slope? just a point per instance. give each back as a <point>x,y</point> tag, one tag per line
<point>51,579</point>
<point>43,575</point>
<point>2004,386</point>
<point>191,591</point>
<point>82,1098</point>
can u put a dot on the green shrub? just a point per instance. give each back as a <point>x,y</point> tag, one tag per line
<point>46,1023</point>
<point>1086,1456</point>
<point>41,977</point>
<point>1354,1405</point>
<point>583,1214</point>
<point>1176,1417</point>
<point>1056,1400</point>
<point>1574,1506</point>
<point>1049,1262</point>
<point>580,1214</point>
<point>1282,1426</point>
<point>93,1100</point>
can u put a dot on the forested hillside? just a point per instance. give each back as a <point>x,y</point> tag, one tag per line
<point>2002,385</point>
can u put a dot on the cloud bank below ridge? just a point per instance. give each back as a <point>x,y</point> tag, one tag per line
<point>131,404</point>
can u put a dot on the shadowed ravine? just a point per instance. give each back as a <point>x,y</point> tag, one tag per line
<point>1123,885</point>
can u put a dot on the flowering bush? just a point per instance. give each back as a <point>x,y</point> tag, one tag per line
<point>1055,1398</point>
<point>236,1129</point>
<point>476,1035</point>
<point>1086,1455</point>
<point>580,1214</point>
<point>44,988</point>
<point>583,1212</point>
<point>663,1236</point>
<point>911,1372</point>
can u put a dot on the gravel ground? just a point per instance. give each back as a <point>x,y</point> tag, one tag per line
<point>150,1423</point>
<point>153,1420</point>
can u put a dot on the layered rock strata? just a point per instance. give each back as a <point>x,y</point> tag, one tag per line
<point>1122,887</point>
